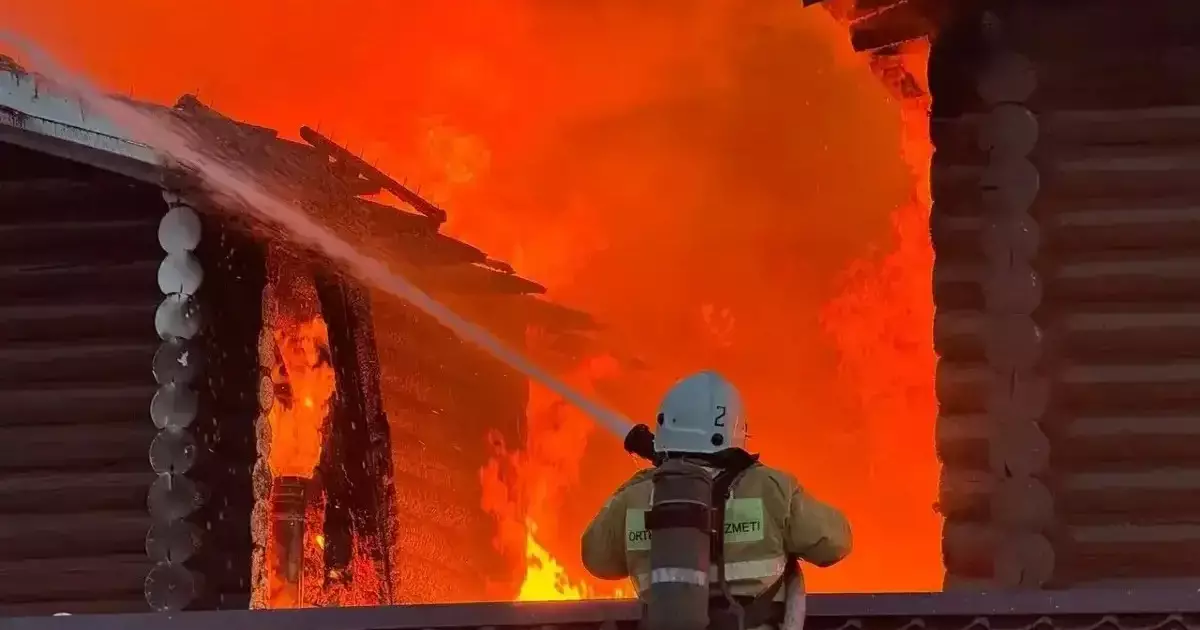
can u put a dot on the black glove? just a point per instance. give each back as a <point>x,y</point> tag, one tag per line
<point>640,441</point>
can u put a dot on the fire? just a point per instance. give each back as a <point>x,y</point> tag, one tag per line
<point>304,384</point>
<point>725,185</point>
<point>545,579</point>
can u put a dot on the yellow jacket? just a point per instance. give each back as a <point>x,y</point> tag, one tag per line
<point>769,518</point>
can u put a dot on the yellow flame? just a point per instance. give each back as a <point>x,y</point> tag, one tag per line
<point>547,581</point>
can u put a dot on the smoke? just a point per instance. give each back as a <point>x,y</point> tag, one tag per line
<point>224,181</point>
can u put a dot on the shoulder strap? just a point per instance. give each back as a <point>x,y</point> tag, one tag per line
<point>761,610</point>
<point>721,490</point>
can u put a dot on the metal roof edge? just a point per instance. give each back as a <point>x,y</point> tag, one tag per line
<point>494,616</point>
<point>37,115</point>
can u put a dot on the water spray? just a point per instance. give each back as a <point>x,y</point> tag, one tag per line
<point>164,136</point>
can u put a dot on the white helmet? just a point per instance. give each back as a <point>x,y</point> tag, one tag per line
<point>701,414</point>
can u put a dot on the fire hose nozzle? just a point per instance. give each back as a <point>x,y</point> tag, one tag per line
<point>640,441</point>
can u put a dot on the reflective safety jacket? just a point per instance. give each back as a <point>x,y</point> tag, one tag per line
<point>769,518</point>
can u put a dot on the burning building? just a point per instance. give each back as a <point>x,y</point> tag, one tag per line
<point>1060,203</point>
<point>311,441</point>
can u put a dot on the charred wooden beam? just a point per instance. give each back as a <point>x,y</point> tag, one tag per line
<point>372,174</point>
<point>891,23</point>
<point>474,279</point>
<point>356,462</point>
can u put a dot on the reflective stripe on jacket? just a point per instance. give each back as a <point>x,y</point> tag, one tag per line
<point>768,518</point>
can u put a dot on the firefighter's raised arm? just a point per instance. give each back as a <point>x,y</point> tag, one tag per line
<point>603,543</point>
<point>816,532</point>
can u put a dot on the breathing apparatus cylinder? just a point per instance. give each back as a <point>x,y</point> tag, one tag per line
<point>681,529</point>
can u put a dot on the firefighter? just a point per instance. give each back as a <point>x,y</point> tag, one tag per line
<point>734,573</point>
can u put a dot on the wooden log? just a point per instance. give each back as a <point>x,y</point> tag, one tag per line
<point>178,316</point>
<point>968,548</point>
<point>1155,224</point>
<point>78,243</point>
<point>957,239</point>
<point>1088,497</point>
<point>958,336</point>
<point>1129,278</point>
<point>1123,496</point>
<point>61,492</point>
<point>1012,342</point>
<point>1010,238</point>
<point>1131,172</point>
<point>46,363</point>
<point>962,388</point>
<point>1073,173</point>
<point>1009,187</point>
<point>1007,77</point>
<point>1154,336</point>
<point>173,451</point>
<point>97,284</point>
<point>180,273</point>
<point>175,406</point>
<point>68,579</point>
<point>1017,396</point>
<point>29,536</point>
<point>178,361</point>
<point>173,497</point>
<point>1123,551</point>
<point>1114,78</point>
<point>1091,442</point>
<point>959,138</point>
<point>958,286</point>
<point>1156,227</point>
<point>1150,441</point>
<point>1026,561</point>
<point>1106,387</point>
<point>965,494</point>
<point>73,199</point>
<point>1044,28</point>
<point>179,230</point>
<point>1022,504</point>
<point>134,604</point>
<point>78,323</point>
<point>1167,332</point>
<point>172,541</point>
<point>1018,447</point>
<point>73,405</point>
<point>75,447</point>
<point>171,587</point>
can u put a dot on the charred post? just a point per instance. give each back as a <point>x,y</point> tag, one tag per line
<point>356,463</point>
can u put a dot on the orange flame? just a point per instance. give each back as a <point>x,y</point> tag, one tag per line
<point>304,384</point>
<point>642,160</point>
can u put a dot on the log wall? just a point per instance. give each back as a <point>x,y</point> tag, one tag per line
<point>1066,226</point>
<point>78,257</point>
<point>442,396</point>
